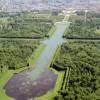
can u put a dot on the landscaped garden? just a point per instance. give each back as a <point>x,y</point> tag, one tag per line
<point>15,54</point>
<point>25,25</point>
<point>84,25</point>
<point>82,59</point>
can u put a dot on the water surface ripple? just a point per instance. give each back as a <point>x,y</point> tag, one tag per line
<point>38,80</point>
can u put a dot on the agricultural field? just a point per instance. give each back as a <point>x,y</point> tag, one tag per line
<point>84,25</point>
<point>81,62</point>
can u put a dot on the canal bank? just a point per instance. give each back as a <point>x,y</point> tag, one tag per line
<point>17,85</point>
<point>51,94</point>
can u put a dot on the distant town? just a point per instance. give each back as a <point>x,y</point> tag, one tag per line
<point>31,5</point>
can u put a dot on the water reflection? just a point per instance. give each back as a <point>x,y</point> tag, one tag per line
<point>37,81</point>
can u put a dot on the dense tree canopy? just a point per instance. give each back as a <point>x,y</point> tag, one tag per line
<point>82,27</point>
<point>23,25</point>
<point>15,54</point>
<point>83,59</point>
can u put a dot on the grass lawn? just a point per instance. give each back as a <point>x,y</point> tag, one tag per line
<point>3,79</point>
<point>36,54</point>
<point>51,32</point>
<point>56,18</point>
<point>98,31</point>
<point>60,17</point>
<point>4,20</point>
<point>50,94</point>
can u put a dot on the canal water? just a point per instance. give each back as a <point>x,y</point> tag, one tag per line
<point>40,79</point>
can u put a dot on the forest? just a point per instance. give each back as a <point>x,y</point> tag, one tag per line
<point>82,60</point>
<point>15,54</point>
<point>77,62</point>
<point>25,29</point>
<point>84,25</point>
<point>79,59</point>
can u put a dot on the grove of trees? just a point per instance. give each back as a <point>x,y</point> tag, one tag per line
<point>15,54</point>
<point>83,60</point>
<point>84,26</point>
<point>23,25</point>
